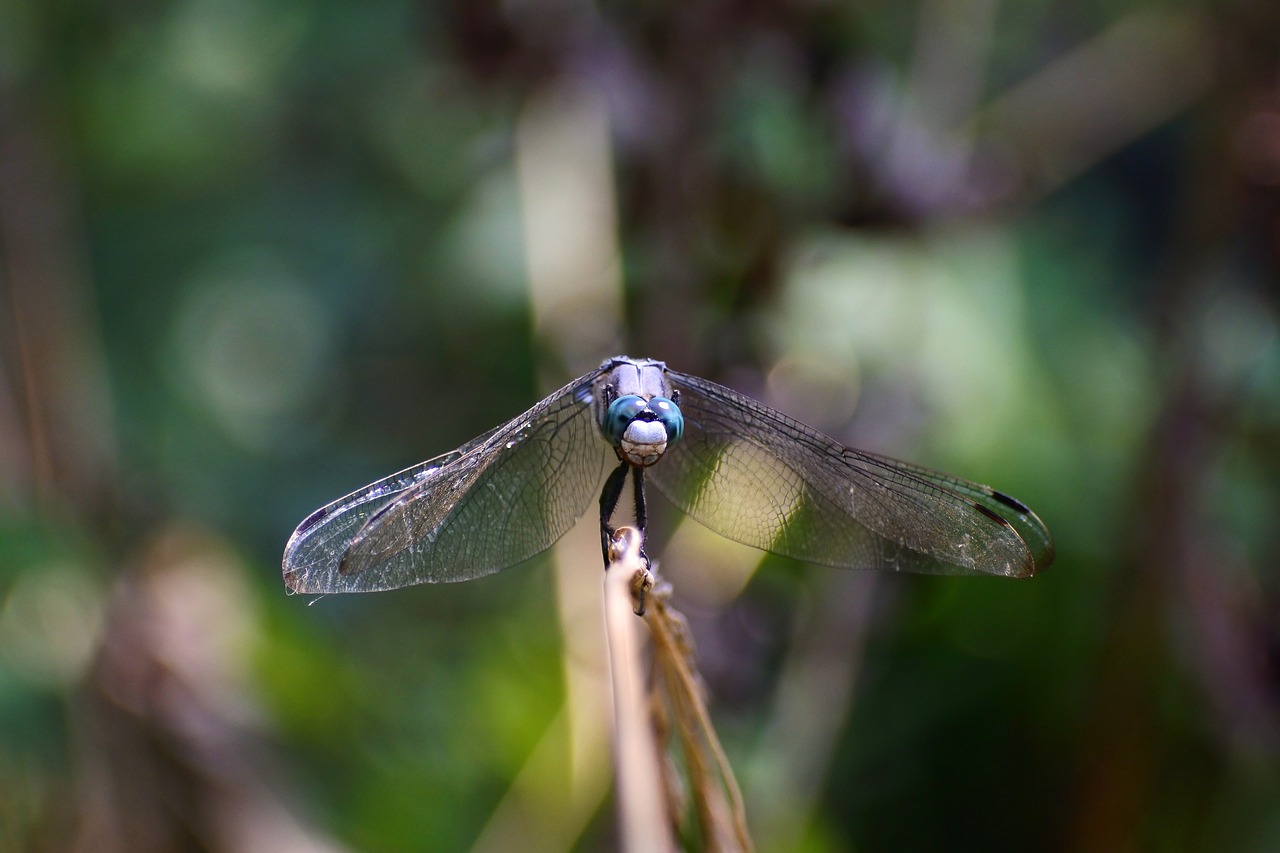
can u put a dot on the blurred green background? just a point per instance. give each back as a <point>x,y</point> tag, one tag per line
<point>255,255</point>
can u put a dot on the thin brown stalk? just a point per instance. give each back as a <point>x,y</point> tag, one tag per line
<point>715,792</point>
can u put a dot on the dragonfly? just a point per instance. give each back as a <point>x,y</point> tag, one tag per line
<point>742,469</point>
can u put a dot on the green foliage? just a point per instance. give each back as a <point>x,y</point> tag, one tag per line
<point>257,254</point>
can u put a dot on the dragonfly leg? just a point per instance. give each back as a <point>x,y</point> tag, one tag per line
<point>609,497</point>
<point>642,516</point>
<point>608,503</point>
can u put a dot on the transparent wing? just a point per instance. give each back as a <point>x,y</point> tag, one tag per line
<point>756,476</point>
<point>497,500</point>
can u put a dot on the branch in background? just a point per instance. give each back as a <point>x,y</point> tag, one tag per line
<point>57,445</point>
<point>1143,70</point>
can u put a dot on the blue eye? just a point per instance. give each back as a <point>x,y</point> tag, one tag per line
<point>622,412</point>
<point>669,416</point>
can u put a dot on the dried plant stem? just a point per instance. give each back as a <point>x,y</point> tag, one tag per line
<point>723,822</point>
<point>643,823</point>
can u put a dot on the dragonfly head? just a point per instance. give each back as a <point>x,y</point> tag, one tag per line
<point>641,430</point>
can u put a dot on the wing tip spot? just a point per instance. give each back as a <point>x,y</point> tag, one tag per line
<point>992,514</point>
<point>1011,502</point>
<point>312,520</point>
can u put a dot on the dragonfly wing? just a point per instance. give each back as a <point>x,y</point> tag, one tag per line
<point>496,501</point>
<point>757,476</point>
<point>315,550</point>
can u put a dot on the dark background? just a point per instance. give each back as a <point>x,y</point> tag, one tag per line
<point>254,255</point>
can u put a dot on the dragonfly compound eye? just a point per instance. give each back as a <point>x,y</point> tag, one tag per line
<point>669,416</point>
<point>622,412</point>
